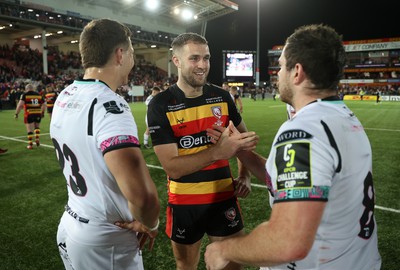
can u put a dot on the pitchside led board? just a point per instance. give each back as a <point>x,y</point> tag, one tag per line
<point>239,65</point>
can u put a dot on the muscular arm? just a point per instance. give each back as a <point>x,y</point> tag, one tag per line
<point>255,163</point>
<point>287,236</point>
<point>20,106</point>
<point>130,171</point>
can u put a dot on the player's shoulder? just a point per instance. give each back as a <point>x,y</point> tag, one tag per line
<point>215,90</point>
<point>214,87</point>
<point>169,96</point>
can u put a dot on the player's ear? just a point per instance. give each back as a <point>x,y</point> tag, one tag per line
<point>299,74</point>
<point>175,60</point>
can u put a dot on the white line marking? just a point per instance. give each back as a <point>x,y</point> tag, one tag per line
<point>161,168</point>
<point>24,141</point>
<point>383,129</point>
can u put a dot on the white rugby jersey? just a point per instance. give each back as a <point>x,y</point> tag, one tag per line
<point>88,120</point>
<point>147,101</point>
<point>323,154</point>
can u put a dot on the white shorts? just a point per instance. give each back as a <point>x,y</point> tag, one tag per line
<point>78,253</point>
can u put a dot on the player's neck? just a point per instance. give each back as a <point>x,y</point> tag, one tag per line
<point>103,74</point>
<point>189,91</point>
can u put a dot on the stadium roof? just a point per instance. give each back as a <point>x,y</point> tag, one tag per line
<point>204,10</point>
<point>28,22</point>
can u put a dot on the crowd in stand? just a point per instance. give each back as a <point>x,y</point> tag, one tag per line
<point>20,65</point>
<point>49,16</point>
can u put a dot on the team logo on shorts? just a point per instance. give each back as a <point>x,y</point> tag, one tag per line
<point>217,112</point>
<point>230,214</point>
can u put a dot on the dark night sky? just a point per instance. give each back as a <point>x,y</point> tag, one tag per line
<point>354,19</point>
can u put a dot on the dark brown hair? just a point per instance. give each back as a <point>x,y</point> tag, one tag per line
<point>319,49</point>
<point>99,39</point>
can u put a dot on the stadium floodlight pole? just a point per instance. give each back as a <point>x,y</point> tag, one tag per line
<point>258,46</point>
<point>44,54</point>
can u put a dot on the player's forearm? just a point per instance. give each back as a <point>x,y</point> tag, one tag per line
<point>19,108</point>
<point>254,162</point>
<point>147,214</point>
<point>243,171</point>
<point>179,166</point>
<point>130,171</point>
<point>143,197</point>
<point>262,247</point>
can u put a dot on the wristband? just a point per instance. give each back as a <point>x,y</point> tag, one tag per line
<point>155,228</point>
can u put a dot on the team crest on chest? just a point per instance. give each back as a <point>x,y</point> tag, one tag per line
<point>217,112</point>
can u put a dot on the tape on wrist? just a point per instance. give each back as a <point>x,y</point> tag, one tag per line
<point>155,227</point>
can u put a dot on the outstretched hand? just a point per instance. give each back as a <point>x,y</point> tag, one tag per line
<point>143,233</point>
<point>242,186</point>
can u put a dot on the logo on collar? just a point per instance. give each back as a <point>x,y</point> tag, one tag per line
<point>293,134</point>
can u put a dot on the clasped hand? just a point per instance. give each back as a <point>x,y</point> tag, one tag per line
<point>230,140</point>
<point>143,233</point>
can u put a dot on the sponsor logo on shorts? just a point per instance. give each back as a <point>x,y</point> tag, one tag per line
<point>181,233</point>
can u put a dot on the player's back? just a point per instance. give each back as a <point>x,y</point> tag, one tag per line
<point>340,159</point>
<point>85,116</point>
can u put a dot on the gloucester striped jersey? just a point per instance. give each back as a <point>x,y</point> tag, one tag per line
<point>173,118</point>
<point>33,103</point>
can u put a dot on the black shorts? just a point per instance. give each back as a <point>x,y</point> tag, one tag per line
<point>32,118</point>
<point>186,224</point>
<point>49,109</point>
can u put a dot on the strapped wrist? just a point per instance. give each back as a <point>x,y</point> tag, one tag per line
<point>155,228</point>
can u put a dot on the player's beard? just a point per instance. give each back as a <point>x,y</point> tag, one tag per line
<point>194,82</point>
<point>285,92</point>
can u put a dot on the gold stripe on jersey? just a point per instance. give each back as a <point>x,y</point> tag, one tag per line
<point>195,113</point>
<point>34,111</point>
<point>38,97</point>
<point>221,185</point>
<point>189,151</point>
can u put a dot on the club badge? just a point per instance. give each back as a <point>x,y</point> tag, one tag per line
<point>217,112</point>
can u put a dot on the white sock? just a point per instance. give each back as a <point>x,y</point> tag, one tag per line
<point>145,138</point>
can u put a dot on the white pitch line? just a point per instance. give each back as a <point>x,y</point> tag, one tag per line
<point>161,168</point>
<point>383,129</point>
<point>24,141</point>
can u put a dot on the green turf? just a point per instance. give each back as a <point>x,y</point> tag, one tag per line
<point>33,190</point>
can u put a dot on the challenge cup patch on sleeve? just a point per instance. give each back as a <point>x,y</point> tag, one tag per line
<point>293,165</point>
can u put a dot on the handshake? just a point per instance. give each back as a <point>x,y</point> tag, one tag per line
<point>229,141</point>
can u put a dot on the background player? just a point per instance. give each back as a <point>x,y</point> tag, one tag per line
<point>154,91</point>
<point>50,97</point>
<point>34,106</point>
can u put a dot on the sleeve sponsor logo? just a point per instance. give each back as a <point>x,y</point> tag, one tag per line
<point>112,107</point>
<point>293,134</point>
<point>293,165</point>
